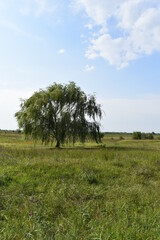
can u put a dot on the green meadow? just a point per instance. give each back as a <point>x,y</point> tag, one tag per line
<point>82,192</point>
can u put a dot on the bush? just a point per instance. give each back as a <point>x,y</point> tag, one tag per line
<point>148,136</point>
<point>121,138</point>
<point>137,135</point>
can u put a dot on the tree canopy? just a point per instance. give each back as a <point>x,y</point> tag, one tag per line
<point>62,112</point>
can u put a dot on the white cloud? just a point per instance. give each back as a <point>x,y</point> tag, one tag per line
<point>98,10</point>
<point>89,26</point>
<point>136,26</point>
<point>89,68</point>
<point>61,51</point>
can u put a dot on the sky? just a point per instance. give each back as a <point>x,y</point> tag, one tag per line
<point>110,48</point>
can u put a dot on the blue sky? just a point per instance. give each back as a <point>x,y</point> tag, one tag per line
<point>111,48</point>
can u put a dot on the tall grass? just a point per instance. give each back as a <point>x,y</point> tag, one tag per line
<point>110,192</point>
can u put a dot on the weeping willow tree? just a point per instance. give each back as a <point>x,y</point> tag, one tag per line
<point>60,113</point>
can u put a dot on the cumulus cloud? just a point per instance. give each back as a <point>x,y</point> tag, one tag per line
<point>89,68</point>
<point>89,26</point>
<point>125,29</point>
<point>61,51</point>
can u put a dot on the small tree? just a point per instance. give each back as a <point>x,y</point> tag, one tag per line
<point>61,113</point>
<point>137,135</point>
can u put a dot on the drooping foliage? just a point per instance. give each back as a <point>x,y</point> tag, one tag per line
<point>61,113</point>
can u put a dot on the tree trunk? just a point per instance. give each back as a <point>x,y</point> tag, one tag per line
<point>58,144</point>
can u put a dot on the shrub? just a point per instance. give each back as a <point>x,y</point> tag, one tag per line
<point>137,135</point>
<point>148,136</point>
<point>121,138</point>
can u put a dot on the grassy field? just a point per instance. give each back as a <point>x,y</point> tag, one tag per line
<point>109,191</point>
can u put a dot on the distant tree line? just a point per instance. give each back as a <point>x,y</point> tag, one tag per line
<point>10,131</point>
